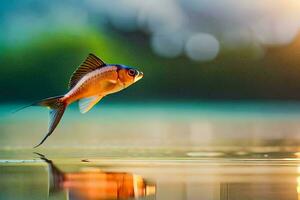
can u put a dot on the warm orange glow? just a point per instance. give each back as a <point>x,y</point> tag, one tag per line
<point>92,183</point>
<point>104,185</point>
<point>298,182</point>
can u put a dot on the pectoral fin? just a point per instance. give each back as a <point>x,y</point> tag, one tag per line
<point>86,104</point>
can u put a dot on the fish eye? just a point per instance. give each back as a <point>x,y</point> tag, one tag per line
<point>131,72</point>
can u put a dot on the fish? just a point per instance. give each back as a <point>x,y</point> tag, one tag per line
<point>89,83</point>
<point>94,183</point>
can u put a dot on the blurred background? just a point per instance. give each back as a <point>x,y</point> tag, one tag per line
<point>216,71</point>
<point>188,50</point>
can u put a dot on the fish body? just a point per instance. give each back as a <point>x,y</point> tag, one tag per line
<point>92,81</point>
<point>106,80</point>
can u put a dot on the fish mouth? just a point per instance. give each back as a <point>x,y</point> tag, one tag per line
<point>138,76</point>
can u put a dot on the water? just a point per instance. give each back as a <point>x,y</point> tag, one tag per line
<point>205,151</point>
<point>204,175</point>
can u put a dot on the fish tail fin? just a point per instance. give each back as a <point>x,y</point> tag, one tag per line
<point>57,109</point>
<point>19,109</point>
<point>55,174</point>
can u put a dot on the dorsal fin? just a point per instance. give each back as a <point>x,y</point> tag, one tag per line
<point>91,63</point>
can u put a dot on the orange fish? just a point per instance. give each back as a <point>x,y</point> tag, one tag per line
<point>92,183</point>
<point>92,81</point>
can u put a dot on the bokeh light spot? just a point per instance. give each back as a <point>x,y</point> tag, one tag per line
<point>168,45</point>
<point>202,47</point>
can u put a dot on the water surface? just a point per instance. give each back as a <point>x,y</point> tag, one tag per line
<point>155,151</point>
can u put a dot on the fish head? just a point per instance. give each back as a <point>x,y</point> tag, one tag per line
<point>129,75</point>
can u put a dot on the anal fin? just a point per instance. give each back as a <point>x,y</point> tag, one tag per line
<point>85,104</point>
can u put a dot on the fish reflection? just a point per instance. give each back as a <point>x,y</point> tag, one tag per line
<point>95,184</point>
